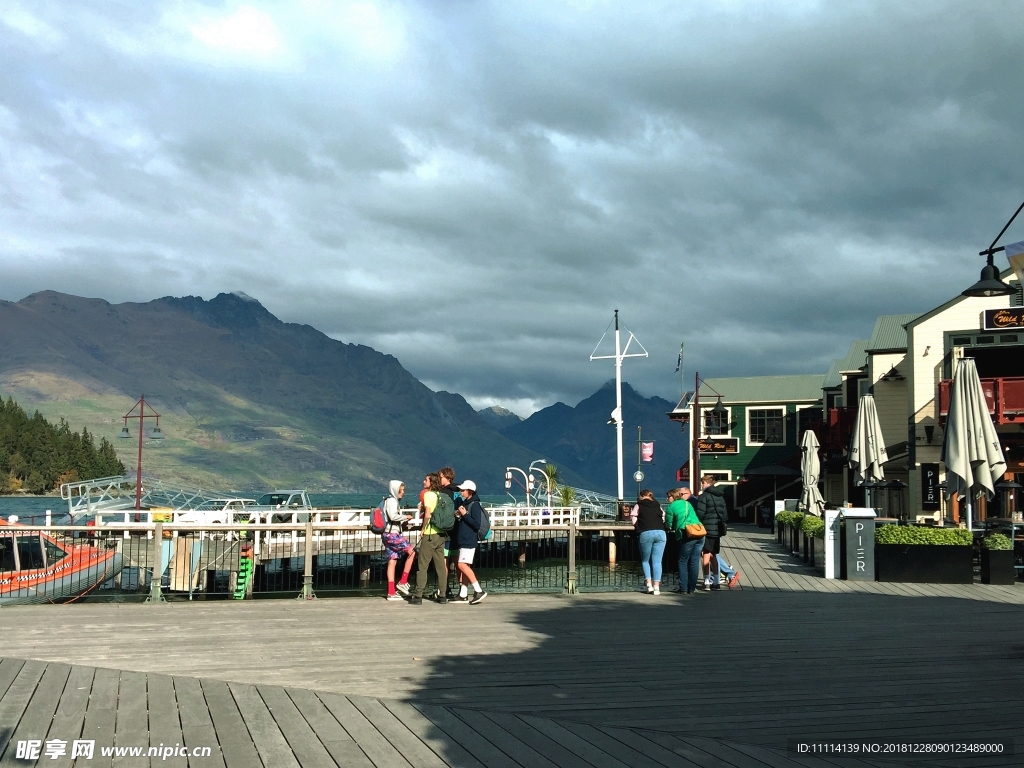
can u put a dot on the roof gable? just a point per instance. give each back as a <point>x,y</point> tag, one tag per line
<point>765,389</point>
<point>890,333</point>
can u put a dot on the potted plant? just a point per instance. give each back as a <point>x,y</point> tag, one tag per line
<point>997,565</point>
<point>783,521</point>
<point>924,555</point>
<point>814,531</point>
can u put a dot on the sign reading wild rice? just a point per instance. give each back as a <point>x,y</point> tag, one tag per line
<point>718,445</point>
<point>998,319</point>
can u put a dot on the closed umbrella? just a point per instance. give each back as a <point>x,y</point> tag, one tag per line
<point>867,446</point>
<point>970,447</point>
<point>810,470</point>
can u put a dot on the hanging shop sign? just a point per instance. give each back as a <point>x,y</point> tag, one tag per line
<point>1001,319</point>
<point>930,499</point>
<point>718,445</point>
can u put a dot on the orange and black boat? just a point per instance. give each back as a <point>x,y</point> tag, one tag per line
<point>36,568</point>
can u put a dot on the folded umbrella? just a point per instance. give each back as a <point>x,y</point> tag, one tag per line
<point>867,446</point>
<point>810,470</point>
<point>970,446</point>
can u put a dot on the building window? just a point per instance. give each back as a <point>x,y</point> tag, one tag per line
<point>767,426</point>
<point>715,424</point>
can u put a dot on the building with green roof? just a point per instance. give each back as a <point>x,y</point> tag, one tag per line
<point>759,433</point>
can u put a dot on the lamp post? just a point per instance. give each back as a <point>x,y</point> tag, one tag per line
<point>720,412</point>
<point>989,283</point>
<point>527,482</point>
<point>138,411</point>
<point>544,474</point>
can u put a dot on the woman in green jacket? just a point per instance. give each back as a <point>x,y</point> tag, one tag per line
<point>679,514</point>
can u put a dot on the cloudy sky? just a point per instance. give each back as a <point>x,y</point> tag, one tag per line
<point>474,187</point>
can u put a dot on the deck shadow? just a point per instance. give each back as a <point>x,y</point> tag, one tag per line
<point>736,666</point>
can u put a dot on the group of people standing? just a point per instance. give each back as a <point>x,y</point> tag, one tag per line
<point>698,524</point>
<point>451,520</point>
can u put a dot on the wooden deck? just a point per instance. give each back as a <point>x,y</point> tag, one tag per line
<point>712,680</point>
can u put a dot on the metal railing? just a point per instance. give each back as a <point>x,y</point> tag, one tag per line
<point>102,494</point>
<point>307,558</point>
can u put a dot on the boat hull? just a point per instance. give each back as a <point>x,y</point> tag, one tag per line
<point>79,572</point>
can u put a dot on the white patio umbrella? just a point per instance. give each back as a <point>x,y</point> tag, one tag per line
<point>867,446</point>
<point>970,447</point>
<point>810,470</point>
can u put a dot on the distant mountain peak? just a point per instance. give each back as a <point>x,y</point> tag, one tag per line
<point>245,296</point>
<point>498,417</point>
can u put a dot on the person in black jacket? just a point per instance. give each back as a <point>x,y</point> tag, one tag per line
<point>470,515</point>
<point>714,514</point>
<point>650,525</point>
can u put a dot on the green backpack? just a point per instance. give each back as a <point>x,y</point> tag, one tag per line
<point>443,516</point>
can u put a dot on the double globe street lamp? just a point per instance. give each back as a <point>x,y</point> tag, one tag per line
<point>139,411</point>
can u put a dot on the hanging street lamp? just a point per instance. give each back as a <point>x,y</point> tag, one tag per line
<point>139,411</point>
<point>989,283</point>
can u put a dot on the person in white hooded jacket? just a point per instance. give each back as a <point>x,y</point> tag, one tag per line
<point>396,545</point>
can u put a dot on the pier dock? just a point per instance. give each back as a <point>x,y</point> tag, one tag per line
<point>711,680</point>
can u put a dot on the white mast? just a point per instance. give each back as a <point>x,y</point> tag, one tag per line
<point>620,355</point>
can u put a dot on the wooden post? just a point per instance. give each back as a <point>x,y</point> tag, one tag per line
<point>155,593</point>
<point>307,562</point>
<point>571,583</point>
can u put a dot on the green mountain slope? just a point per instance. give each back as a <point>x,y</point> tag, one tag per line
<point>246,401</point>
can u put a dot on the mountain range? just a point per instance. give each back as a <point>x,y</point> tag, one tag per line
<point>580,440</point>
<point>245,400</point>
<point>248,402</point>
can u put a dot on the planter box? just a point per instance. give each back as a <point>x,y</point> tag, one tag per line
<point>807,546</point>
<point>924,563</point>
<point>997,566</point>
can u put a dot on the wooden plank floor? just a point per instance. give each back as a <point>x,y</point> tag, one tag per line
<point>712,679</point>
<point>279,727</point>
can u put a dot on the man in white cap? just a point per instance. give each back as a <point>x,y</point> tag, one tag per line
<point>471,516</point>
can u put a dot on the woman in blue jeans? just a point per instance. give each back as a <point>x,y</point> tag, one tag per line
<point>650,524</point>
<point>678,515</point>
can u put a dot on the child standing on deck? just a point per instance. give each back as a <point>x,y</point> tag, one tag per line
<point>395,544</point>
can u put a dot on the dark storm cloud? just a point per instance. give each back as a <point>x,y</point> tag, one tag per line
<point>475,187</point>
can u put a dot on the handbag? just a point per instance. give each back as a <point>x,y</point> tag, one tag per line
<point>722,528</point>
<point>696,530</point>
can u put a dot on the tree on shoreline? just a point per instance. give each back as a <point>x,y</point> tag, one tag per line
<point>36,456</point>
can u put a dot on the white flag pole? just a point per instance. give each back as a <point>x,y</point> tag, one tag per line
<point>620,355</point>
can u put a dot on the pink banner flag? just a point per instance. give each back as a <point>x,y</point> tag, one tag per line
<point>647,452</point>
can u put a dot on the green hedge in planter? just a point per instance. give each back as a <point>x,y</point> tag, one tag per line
<point>813,526</point>
<point>789,518</point>
<point>996,541</point>
<point>911,534</point>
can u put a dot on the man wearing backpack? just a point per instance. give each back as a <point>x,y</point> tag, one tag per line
<point>714,514</point>
<point>471,518</point>
<point>451,554</point>
<point>438,520</point>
